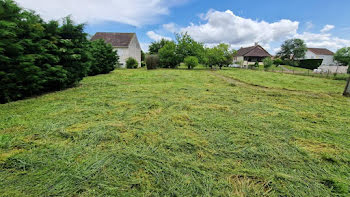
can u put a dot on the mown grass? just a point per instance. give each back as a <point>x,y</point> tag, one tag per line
<point>179,133</point>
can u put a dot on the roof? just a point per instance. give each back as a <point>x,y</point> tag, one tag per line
<point>115,39</point>
<point>321,51</point>
<point>254,51</point>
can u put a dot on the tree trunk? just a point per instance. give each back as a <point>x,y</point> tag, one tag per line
<point>347,88</point>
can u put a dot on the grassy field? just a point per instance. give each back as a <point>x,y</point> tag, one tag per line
<point>179,133</point>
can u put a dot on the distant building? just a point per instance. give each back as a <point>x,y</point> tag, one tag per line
<point>126,44</point>
<point>250,55</point>
<point>320,53</point>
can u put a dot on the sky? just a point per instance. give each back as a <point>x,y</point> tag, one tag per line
<point>239,23</point>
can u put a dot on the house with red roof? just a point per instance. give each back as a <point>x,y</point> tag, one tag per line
<point>321,53</point>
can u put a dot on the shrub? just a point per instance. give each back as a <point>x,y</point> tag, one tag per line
<point>131,63</point>
<point>310,63</point>
<point>152,62</point>
<point>277,61</point>
<point>104,59</point>
<point>143,64</point>
<point>267,63</point>
<point>290,62</point>
<point>191,61</point>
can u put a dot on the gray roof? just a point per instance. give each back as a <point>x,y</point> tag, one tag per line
<point>115,39</point>
<point>254,51</point>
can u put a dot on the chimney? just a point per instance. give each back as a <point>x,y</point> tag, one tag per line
<point>256,44</point>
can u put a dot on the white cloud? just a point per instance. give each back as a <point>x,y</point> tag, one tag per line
<point>156,37</point>
<point>327,28</point>
<point>238,31</point>
<point>171,27</point>
<point>323,41</point>
<point>132,12</point>
<point>309,25</point>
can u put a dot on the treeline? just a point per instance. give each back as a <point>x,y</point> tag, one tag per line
<point>169,54</point>
<point>38,56</point>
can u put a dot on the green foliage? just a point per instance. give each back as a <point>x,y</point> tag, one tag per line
<point>187,46</point>
<point>157,45</point>
<point>290,62</point>
<point>216,57</point>
<point>343,56</point>
<point>191,62</point>
<point>293,48</point>
<point>38,56</point>
<point>310,63</point>
<point>152,62</point>
<point>168,58</point>
<point>268,62</point>
<point>131,63</point>
<point>103,58</point>
<point>143,56</point>
<point>278,61</point>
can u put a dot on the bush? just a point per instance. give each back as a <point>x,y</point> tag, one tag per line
<point>143,64</point>
<point>310,64</point>
<point>131,63</point>
<point>267,63</point>
<point>290,62</point>
<point>191,62</point>
<point>104,59</point>
<point>277,61</point>
<point>152,62</point>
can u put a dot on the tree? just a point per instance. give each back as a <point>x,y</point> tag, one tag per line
<point>277,61</point>
<point>103,58</point>
<point>227,53</point>
<point>155,46</point>
<point>268,62</point>
<point>343,56</point>
<point>191,62</point>
<point>187,46</point>
<point>216,57</point>
<point>293,48</point>
<point>167,55</point>
<point>143,56</point>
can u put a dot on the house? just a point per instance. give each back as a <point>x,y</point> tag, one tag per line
<point>250,55</point>
<point>126,44</point>
<point>320,53</point>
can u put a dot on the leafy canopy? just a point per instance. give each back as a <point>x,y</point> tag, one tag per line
<point>293,48</point>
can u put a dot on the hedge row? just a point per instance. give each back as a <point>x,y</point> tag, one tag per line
<point>38,56</point>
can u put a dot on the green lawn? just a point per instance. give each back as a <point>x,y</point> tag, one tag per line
<point>234,132</point>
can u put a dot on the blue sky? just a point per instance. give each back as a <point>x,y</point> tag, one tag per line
<point>321,23</point>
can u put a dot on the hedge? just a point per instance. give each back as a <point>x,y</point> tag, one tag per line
<point>310,63</point>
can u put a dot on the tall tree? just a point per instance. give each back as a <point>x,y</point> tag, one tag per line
<point>155,46</point>
<point>168,58</point>
<point>187,46</point>
<point>293,48</point>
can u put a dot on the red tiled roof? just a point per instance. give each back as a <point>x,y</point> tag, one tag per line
<point>321,51</point>
<point>115,39</point>
<point>254,51</point>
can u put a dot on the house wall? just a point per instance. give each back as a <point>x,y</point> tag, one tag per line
<point>134,51</point>
<point>327,59</point>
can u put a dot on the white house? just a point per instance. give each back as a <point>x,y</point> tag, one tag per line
<point>126,44</point>
<point>319,53</point>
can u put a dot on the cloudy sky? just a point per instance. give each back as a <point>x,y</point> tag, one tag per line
<point>321,23</point>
